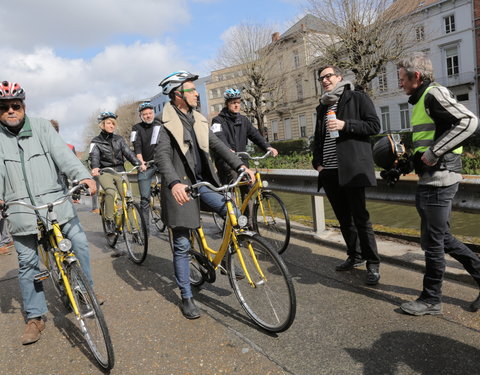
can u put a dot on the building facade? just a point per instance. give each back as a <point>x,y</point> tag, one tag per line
<point>444,31</point>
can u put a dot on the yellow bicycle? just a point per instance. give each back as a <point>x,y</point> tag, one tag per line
<point>69,281</point>
<point>128,220</point>
<point>257,274</point>
<point>269,216</point>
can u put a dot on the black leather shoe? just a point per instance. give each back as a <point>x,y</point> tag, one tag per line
<point>475,306</point>
<point>373,274</point>
<point>349,264</point>
<point>189,310</point>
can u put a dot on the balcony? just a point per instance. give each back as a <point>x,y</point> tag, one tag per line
<point>465,78</point>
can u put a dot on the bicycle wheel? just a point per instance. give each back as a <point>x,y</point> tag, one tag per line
<point>271,221</point>
<point>111,238</point>
<point>218,220</point>
<point>135,234</point>
<point>90,320</point>
<point>196,268</point>
<point>56,278</point>
<point>156,212</point>
<point>270,301</point>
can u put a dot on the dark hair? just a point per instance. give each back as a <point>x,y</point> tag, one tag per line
<point>338,71</point>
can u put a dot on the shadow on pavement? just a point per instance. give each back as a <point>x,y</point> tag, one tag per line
<point>423,353</point>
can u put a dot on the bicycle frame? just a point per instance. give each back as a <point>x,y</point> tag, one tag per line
<point>230,235</point>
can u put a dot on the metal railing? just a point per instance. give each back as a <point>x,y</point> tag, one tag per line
<point>302,181</point>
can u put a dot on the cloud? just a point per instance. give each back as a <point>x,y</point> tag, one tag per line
<point>71,90</point>
<point>83,24</point>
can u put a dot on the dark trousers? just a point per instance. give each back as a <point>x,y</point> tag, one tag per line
<point>349,206</point>
<point>434,205</point>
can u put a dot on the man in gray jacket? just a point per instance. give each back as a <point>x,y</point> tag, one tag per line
<point>32,158</point>
<point>439,125</point>
<point>183,158</point>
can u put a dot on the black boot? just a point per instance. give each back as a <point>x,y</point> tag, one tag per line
<point>373,274</point>
<point>189,310</point>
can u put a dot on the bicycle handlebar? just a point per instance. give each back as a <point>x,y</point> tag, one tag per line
<point>110,169</point>
<point>248,156</point>
<point>5,205</point>
<point>189,189</point>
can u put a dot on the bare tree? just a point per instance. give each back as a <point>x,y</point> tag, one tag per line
<point>363,35</point>
<point>250,47</point>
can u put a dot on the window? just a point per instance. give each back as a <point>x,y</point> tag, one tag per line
<point>287,124</point>
<point>382,79</point>
<point>296,59</point>
<point>404,116</point>
<point>420,33</point>
<point>451,54</point>
<point>385,113</point>
<point>449,24</point>
<point>302,125</point>
<point>274,128</point>
<point>299,86</point>
<point>462,97</point>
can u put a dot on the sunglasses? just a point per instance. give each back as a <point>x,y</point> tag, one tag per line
<point>327,76</point>
<point>6,107</point>
<point>187,90</point>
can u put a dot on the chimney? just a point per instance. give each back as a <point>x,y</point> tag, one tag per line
<point>275,37</point>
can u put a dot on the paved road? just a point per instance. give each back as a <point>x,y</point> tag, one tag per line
<point>342,326</point>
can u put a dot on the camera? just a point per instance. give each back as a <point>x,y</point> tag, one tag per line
<point>403,166</point>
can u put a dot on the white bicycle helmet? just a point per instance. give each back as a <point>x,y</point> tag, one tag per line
<point>174,80</point>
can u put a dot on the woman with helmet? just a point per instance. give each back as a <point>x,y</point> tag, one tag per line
<point>109,150</point>
<point>183,157</point>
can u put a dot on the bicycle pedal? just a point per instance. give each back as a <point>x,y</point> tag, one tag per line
<point>41,276</point>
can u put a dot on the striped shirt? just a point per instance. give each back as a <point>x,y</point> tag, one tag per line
<point>330,144</point>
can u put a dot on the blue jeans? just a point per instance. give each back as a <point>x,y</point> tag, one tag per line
<point>181,242</point>
<point>434,205</point>
<point>32,293</point>
<point>144,183</point>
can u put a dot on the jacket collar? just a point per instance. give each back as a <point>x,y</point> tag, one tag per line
<point>417,94</point>
<point>174,125</point>
<point>25,131</point>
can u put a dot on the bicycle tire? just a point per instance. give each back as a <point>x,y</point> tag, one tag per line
<point>91,320</point>
<point>196,275</point>
<point>219,221</point>
<point>111,238</point>
<point>274,223</point>
<point>271,302</point>
<point>156,212</point>
<point>56,278</point>
<point>136,238</point>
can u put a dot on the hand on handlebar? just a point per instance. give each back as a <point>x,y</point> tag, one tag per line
<point>95,172</point>
<point>250,173</point>
<point>273,151</point>
<point>180,194</point>
<point>92,185</point>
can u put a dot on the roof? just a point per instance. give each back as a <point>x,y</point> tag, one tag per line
<point>403,7</point>
<point>308,22</point>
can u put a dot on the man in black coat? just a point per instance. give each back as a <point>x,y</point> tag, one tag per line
<point>345,165</point>
<point>235,129</point>
<point>183,158</point>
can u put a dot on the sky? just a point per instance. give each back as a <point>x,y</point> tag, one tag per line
<point>76,58</point>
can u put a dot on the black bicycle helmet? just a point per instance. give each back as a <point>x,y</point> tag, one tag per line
<point>387,150</point>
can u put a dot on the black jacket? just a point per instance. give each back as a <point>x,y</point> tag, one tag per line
<point>354,151</point>
<point>144,139</point>
<point>110,150</point>
<point>234,130</point>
